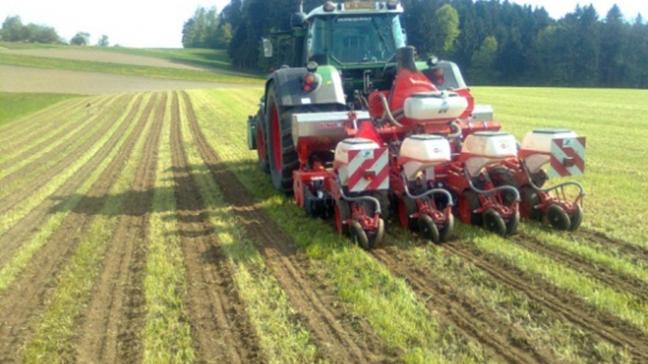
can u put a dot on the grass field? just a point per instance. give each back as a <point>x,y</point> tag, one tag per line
<point>136,227</point>
<point>15,105</point>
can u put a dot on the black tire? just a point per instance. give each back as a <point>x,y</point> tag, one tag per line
<point>576,219</point>
<point>558,218</point>
<point>501,176</point>
<point>530,198</point>
<point>262,143</point>
<point>376,237</point>
<point>446,232</point>
<point>428,229</point>
<point>358,235</point>
<point>512,224</point>
<point>309,202</point>
<point>494,222</point>
<point>285,161</point>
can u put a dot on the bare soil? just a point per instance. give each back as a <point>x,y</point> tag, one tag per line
<point>24,79</point>
<point>96,55</point>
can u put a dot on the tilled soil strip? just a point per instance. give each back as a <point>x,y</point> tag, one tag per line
<point>638,252</point>
<point>21,132</point>
<point>506,343</point>
<point>557,301</point>
<point>112,322</point>
<point>65,130</point>
<point>220,326</point>
<point>29,292</point>
<point>336,337</point>
<point>18,233</point>
<point>59,153</point>
<point>616,280</point>
<point>8,202</point>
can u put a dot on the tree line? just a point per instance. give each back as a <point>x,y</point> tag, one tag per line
<point>494,42</point>
<point>13,30</point>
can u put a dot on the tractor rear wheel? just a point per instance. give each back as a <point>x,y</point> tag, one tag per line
<point>262,146</point>
<point>282,154</point>
<point>558,218</point>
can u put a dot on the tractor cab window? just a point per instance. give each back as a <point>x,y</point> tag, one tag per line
<point>355,39</point>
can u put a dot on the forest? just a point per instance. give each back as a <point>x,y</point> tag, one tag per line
<point>494,42</point>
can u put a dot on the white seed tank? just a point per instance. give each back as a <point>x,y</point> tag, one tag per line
<point>423,152</point>
<point>434,106</point>
<point>347,166</point>
<point>487,148</point>
<point>537,146</point>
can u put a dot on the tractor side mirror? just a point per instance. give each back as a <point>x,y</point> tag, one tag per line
<point>297,20</point>
<point>267,47</point>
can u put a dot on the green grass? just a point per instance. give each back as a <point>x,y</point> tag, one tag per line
<point>26,45</point>
<point>127,69</point>
<point>15,105</point>
<point>208,58</point>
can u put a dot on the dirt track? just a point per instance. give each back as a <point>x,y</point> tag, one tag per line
<point>115,314</point>
<point>217,312</point>
<point>23,79</point>
<point>339,340</point>
<point>18,306</point>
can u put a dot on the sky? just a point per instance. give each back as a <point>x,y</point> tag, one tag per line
<point>158,23</point>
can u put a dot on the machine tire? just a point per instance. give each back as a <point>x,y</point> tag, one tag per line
<point>376,238</point>
<point>558,218</point>
<point>494,222</point>
<point>309,205</point>
<point>512,224</point>
<point>282,155</point>
<point>358,235</point>
<point>502,177</point>
<point>428,229</point>
<point>530,198</point>
<point>262,146</point>
<point>342,212</point>
<point>446,232</point>
<point>576,219</point>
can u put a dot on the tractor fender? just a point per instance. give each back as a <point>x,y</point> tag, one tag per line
<point>289,87</point>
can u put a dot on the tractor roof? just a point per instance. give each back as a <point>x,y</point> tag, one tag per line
<point>356,7</point>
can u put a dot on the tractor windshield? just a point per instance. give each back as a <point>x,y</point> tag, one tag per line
<point>355,39</point>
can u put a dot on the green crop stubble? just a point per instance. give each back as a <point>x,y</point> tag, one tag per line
<point>56,327</point>
<point>80,120</point>
<point>370,291</point>
<point>620,304</point>
<point>614,123</point>
<point>281,336</point>
<point>167,334</point>
<point>567,342</point>
<point>17,129</point>
<point>13,216</point>
<point>14,105</point>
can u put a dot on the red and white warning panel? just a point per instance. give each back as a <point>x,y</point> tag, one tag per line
<point>567,157</point>
<point>368,170</point>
